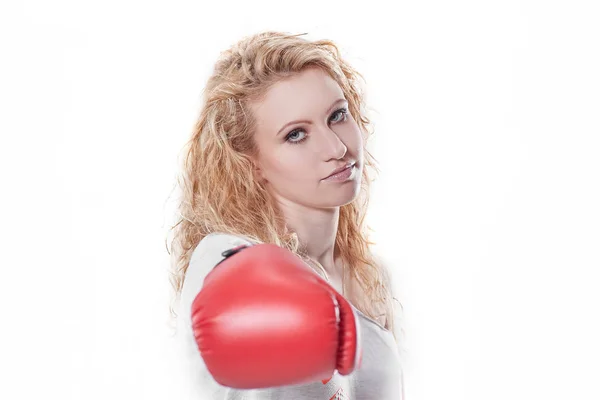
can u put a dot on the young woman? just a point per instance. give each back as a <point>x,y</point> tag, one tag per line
<point>280,296</point>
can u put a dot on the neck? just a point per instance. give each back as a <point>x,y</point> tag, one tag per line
<point>316,229</point>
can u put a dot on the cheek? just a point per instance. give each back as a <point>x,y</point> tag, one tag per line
<point>291,164</point>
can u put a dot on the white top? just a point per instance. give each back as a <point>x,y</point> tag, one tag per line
<point>378,378</point>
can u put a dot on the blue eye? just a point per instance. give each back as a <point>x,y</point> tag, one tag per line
<point>342,111</point>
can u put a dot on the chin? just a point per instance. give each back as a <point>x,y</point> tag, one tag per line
<point>343,195</point>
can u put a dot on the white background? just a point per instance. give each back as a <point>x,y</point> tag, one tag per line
<point>487,133</point>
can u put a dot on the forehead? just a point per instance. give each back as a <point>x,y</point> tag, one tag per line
<point>305,95</point>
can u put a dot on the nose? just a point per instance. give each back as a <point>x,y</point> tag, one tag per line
<point>334,147</point>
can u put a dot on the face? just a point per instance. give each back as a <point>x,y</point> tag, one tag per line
<point>304,133</point>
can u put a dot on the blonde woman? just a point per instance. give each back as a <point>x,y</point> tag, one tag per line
<point>280,296</point>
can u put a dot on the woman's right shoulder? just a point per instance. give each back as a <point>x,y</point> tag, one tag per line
<point>208,251</point>
<point>219,242</point>
<point>207,254</point>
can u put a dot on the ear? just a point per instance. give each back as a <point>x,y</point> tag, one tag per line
<point>258,174</point>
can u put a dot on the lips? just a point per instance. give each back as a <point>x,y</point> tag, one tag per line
<point>338,170</point>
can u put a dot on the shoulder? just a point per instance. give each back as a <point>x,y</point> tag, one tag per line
<point>206,254</point>
<point>384,267</point>
<point>213,244</point>
<point>387,269</point>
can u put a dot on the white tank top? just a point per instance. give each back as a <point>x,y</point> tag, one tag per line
<point>378,378</point>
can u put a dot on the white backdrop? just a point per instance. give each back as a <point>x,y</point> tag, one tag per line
<point>487,133</point>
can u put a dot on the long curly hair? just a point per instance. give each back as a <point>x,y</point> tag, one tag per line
<point>219,192</point>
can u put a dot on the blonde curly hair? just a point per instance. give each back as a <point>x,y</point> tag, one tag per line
<point>219,192</point>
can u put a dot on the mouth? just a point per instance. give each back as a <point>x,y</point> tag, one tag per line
<point>340,170</point>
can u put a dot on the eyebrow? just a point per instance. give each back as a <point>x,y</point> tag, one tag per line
<point>307,121</point>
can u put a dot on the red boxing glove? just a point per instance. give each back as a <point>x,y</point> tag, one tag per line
<point>264,319</point>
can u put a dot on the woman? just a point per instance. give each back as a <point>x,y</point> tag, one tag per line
<point>281,117</point>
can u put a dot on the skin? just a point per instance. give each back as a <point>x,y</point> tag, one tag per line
<point>293,172</point>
